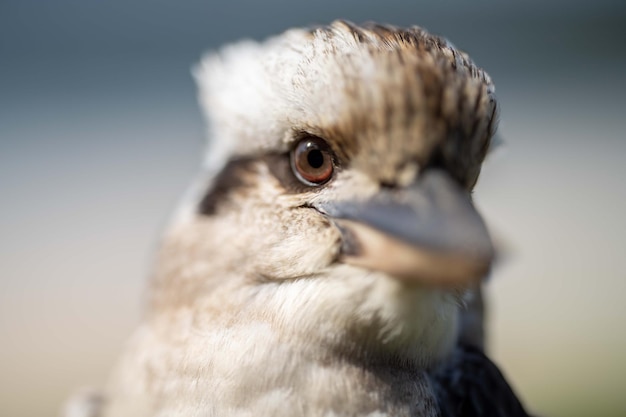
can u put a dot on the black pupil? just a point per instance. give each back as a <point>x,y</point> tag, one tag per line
<point>315,158</point>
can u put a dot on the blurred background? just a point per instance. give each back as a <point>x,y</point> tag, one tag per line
<point>100,133</point>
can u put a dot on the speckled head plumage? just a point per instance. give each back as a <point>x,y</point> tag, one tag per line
<point>376,93</point>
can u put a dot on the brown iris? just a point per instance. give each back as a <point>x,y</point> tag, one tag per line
<point>312,161</point>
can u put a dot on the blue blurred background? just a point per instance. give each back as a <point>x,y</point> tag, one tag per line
<point>100,134</point>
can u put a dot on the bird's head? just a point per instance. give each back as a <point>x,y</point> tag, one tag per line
<point>337,187</point>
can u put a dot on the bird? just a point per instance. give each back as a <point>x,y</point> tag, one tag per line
<point>328,260</point>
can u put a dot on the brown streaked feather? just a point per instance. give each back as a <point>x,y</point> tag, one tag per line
<point>432,89</point>
<point>231,177</point>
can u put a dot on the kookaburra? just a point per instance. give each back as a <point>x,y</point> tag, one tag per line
<point>322,263</point>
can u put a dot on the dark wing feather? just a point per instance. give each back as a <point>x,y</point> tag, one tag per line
<point>468,384</point>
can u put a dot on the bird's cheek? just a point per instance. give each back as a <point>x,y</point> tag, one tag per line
<point>305,248</point>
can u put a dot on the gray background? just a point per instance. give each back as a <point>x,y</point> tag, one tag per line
<point>100,133</point>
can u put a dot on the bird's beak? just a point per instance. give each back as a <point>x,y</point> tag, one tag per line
<point>428,233</point>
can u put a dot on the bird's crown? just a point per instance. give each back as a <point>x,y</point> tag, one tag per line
<point>378,94</point>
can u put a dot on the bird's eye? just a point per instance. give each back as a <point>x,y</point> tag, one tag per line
<point>311,161</point>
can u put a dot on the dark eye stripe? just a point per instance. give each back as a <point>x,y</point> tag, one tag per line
<point>237,174</point>
<point>230,179</point>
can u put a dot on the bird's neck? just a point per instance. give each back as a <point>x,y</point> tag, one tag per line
<point>364,318</point>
